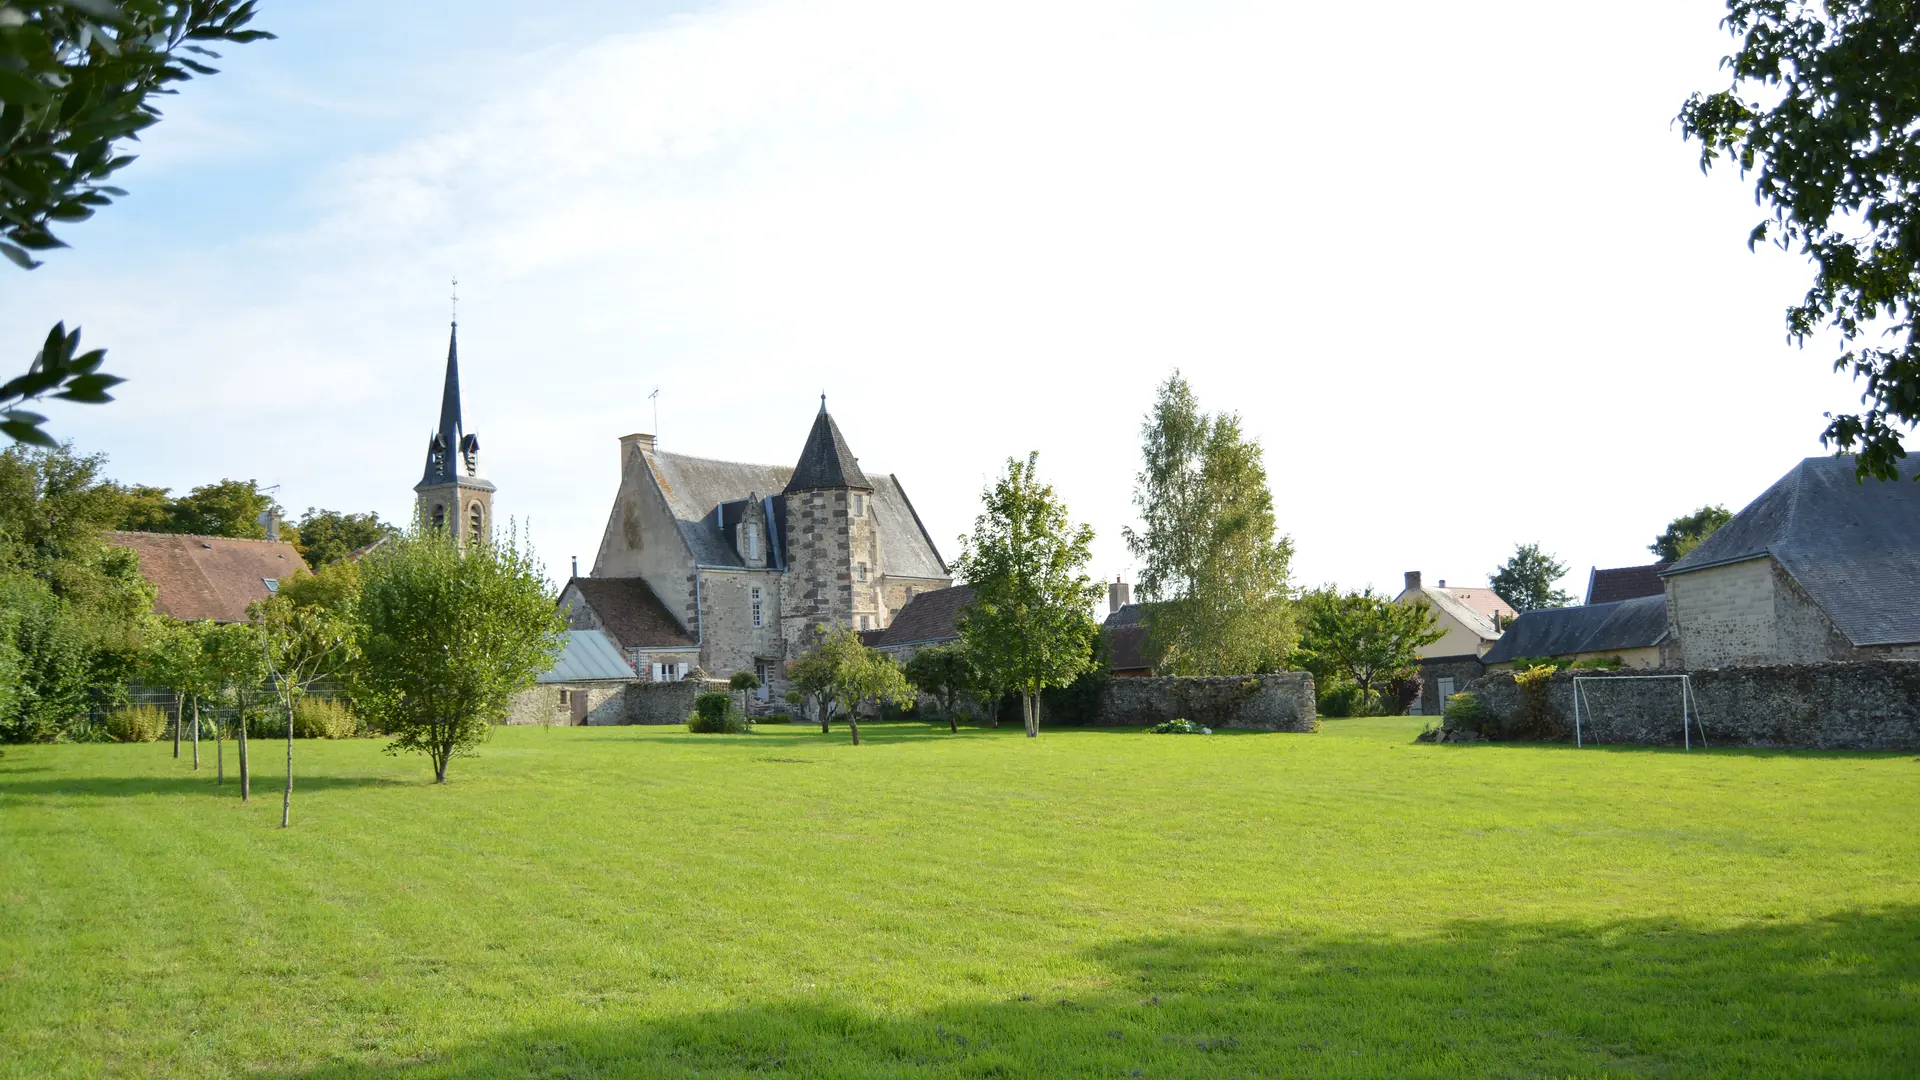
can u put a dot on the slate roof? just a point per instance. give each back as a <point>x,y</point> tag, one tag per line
<point>826,462</point>
<point>588,656</point>
<point>1126,633</point>
<point>1624,583</point>
<point>696,488</point>
<point>1594,628</point>
<point>929,617</point>
<point>1853,547</point>
<point>450,440</point>
<point>209,577</point>
<point>631,614</point>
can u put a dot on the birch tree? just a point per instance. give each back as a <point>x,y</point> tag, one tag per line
<point>1030,624</point>
<point>300,646</point>
<point>1214,568</point>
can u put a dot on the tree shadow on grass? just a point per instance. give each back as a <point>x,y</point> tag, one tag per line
<point>1491,746</point>
<point>1833,997</point>
<point>124,786</point>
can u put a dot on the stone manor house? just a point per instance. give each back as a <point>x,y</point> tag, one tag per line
<point>725,566</point>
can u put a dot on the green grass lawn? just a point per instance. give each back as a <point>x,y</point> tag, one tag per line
<point>649,903</point>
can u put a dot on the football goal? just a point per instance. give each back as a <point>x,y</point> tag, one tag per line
<point>1689,705</point>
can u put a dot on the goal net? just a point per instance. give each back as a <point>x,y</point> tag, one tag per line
<point>1588,692</point>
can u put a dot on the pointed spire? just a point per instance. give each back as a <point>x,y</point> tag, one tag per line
<point>445,447</point>
<point>826,462</point>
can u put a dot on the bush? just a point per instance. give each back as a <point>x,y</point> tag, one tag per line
<point>777,718</point>
<point>322,718</point>
<point>1537,717</point>
<point>1182,726</point>
<point>714,714</point>
<point>1465,710</point>
<point>136,723</point>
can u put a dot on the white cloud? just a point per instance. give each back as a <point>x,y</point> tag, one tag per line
<point>1457,273</point>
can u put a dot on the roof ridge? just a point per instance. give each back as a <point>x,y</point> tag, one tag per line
<point>717,461</point>
<point>199,536</point>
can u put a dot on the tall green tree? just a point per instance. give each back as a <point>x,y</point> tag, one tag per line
<point>448,638</point>
<point>1526,580</point>
<point>1213,566</point>
<point>328,536</point>
<point>228,508</point>
<point>1030,625</point>
<point>78,79</point>
<point>1363,637</point>
<point>1823,111</point>
<point>1685,532</point>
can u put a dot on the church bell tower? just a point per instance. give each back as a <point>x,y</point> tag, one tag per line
<point>452,495</point>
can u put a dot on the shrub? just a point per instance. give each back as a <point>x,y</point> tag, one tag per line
<point>1182,726</point>
<point>1537,718</point>
<point>136,723</point>
<point>714,714</point>
<point>1600,663</point>
<point>777,718</point>
<point>323,718</point>
<point>1465,710</point>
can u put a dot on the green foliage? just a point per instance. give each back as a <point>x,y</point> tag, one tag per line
<point>135,723</point>
<point>77,79</point>
<point>743,683</point>
<point>1525,581</point>
<point>334,588</point>
<point>228,508</point>
<point>60,670</point>
<point>1537,717</point>
<point>947,674</point>
<point>323,718</point>
<point>1182,726</point>
<point>1212,563</point>
<point>1835,154</point>
<point>714,714</point>
<point>839,673</point>
<point>448,637</point>
<point>1599,663</point>
<point>1360,639</point>
<point>1685,532</point>
<point>1079,701</point>
<point>1030,624</point>
<point>329,536</point>
<point>1465,710</point>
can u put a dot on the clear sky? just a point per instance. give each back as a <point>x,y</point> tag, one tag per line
<point>1452,264</point>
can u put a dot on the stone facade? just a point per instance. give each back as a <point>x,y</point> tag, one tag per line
<point>1461,669</point>
<point>1753,612</point>
<point>821,544</point>
<point>1283,702</point>
<point>1872,705</point>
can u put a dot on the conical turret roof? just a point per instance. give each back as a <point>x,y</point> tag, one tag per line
<point>826,462</point>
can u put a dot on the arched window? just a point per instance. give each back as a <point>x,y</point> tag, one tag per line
<point>439,516</point>
<point>476,522</point>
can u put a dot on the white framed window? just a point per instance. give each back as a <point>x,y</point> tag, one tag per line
<point>680,671</point>
<point>859,571</point>
<point>756,606</point>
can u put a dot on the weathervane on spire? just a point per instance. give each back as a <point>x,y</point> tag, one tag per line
<point>456,300</point>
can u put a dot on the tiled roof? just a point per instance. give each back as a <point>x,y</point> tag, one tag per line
<point>826,461</point>
<point>1594,628</point>
<point>1624,583</point>
<point>589,656</point>
<point>1854,547</point>
<point>209,577</point>
<point>1476,617</point>
<point>1484,601</point>
<point>931,616</point>
<point>697,487</point>
<point>1126,634</point>
<point>631,614</point>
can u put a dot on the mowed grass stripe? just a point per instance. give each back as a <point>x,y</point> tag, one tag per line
<point>627,902</point>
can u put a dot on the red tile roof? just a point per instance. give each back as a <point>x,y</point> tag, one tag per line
<point>209,577</point>
<point>629,611</point>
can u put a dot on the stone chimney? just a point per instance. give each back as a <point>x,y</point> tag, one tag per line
<point>1119,595</point>
<point>1413,581</point>
<point>629,443</point>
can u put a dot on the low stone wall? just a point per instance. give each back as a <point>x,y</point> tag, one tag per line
<point>1282,702</point>
<point>606,703</point>
<point>664,702</point>
<point>1872,705</point>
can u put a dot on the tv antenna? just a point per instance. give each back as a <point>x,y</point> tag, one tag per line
<point>456,299</point>
<point>655,398</point>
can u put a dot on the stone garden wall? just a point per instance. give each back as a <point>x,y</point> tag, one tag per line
<point>629,703</point>
<point>1873,705</point>
<point>664,702</point>
<point>1283,702</point>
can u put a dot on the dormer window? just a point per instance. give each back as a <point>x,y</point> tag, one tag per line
<point>437,454</point>
<point>470,452</point>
